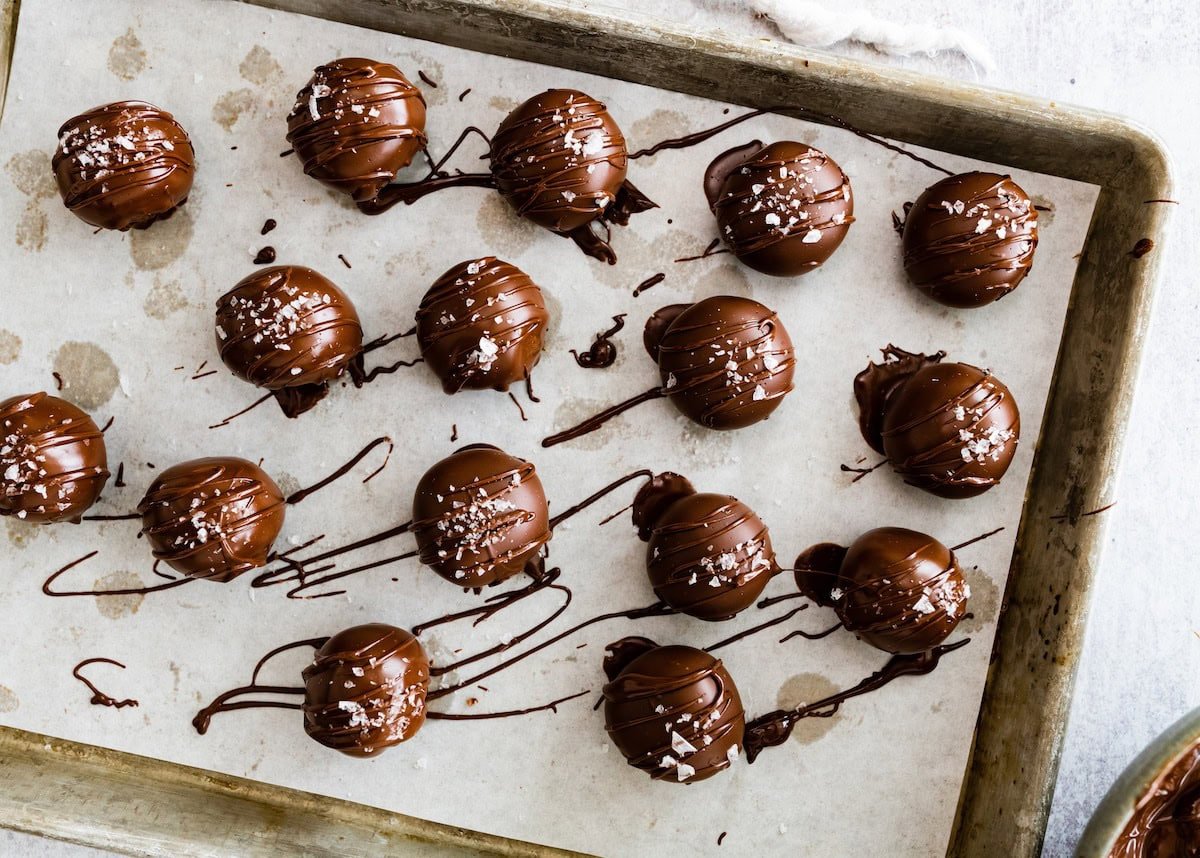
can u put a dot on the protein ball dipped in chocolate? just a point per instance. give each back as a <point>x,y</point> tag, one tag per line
<point>365,690</point>
<point>708,555</point>
<point>783,208</point>
<point>480,325</point>
<point>673,711</point>
<point>53,464</point>
<point>969,239</point>
<point>124,165</point>
<point>948,428</point>
<point>899,590</point>
<point>356,124</point>
<point>725,362</point>
<point>480,516</point>
<point>290,330</point>
<point>212,518</point>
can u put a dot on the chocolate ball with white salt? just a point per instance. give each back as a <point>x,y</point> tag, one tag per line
<point>672,711</point>
<point>365,690</point>
<point>948,428</point>
<point>124,165</point>
<point>290,330</point>
<point>213,518</point>
<point>782,208</point>
<point>53,463</point>
<point>707,555</point>
<point>480,516</point>
<point>481,324</point>
<point>899,590</point>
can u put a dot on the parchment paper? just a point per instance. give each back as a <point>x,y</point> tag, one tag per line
<point>127,319</point>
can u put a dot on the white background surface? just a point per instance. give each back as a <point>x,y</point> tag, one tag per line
<point>1142,659</point>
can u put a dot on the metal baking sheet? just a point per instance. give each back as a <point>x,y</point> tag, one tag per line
<point>144,301</point>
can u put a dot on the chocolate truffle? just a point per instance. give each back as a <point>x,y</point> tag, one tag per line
<point>480,325</point>
<point>708,555</point>
<point>355,124</point>
<point>899,590</point>
<point>560,161</point>
<point>673,711</point>
<point>365,690</point>
<point>124,165</point>
<point>480,516</point>
<point>969,239</point>
<point>290,330</point>
<point>725,362</point>
<point>783,208</point>
<point>53,464</point>
<point>948,428</point>
<point>212,518</point>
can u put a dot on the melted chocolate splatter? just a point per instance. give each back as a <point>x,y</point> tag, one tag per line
<point>265,256</point>
<point>603,351</point>
<point>268,225</point>
<point>99,698</point>
<point>649,283</point>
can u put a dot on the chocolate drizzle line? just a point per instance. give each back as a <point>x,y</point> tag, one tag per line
<point>603,351</point>
<point>303,570</point>
<point>649,283</point>
<point>360,376</point>
<point>862,472</point>
<point>464,93</point>
<point>710,250</point>
<point>776,727</point>
<point>126,591</point>
<point>596,421</point>
<point>788,110</point>
<point>481,716</point>
<point>409,192</point>
<point>58,381</point>
<point>248,408</point>
<point>297,496</point>
<point>99,698</point>
<point>975,539</point>
<point>1064,516</point>
<point>427,79</point>
<point>221,703</point>
<point>129,516</point>
<point>119,482</point>
<point>521,410</point>
<point>555,521</point>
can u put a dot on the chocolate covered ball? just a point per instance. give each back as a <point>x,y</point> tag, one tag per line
<point>53,464</point>
<point>969,239</point>
<point>212,518</point>
<point>365,690</point>
<point>480,516</point>
<point>673,711</point>
<point>290,330</point>
<point>782,208</point>
<point>725,362</point>
<point>481,324</point>
<point>899,590</point>
<point>708,555</point>
<point>124,165</point>
<point>948,428</point>
<point>355,124</point>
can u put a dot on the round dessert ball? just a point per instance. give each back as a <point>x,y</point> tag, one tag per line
<point>124,165</point>
<point>783,208</point>
<point>480,516</point>
<point>708,555</point>
<point>355,124</point>
<point>53,463</point>
<point>365,690</point>
<point>481,324</point>
<point>290,330</point>
<point>725,362</point>
<point>969,239</point>
<point>212,518</point>
<point>559,159</point>
<point>672,711</point>
<point>899,590</point>
<point>948,428</point>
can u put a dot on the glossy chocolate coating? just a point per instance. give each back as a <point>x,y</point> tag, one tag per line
<point>480,516</point>
<point>969,239</point>
<point>53,464</point>
<point>673,711</point>
<point>357,123</point>
<point>212,518</point>
<point>124,165</point>
<point>899,590</point>
<point>1166,819</point>
<point>365,690</point>
<point>725,362</point>
<point>559,159</point>
<point>481,324</point>
<point>948,428</point>
<point>783,208</point>
<point>708,555</point>
<point>287,328</point>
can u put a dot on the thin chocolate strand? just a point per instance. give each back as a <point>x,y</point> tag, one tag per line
<point>99,698</point>
<point>130,516</point>
<point>812,636</point>
<point>308,583</point>
<point>754,630</point>
<point>493,604</point>
<point>359,375</point>
<point>596,421</point>
<point>979,538</point>
<point>245,410</point>
<point>552,706</point>
<point>386,340</point>
<point>775,600</point>
<point>125,591</point>
<point>595,496</point>
<point>297,496</point>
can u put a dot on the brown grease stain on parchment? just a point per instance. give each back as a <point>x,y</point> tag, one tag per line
<point>500,226</point>
<point>10,346</point>
<point>115,607</point>
<point>127,57</point>
<point>258,66</point>
<point>230,107</point>
<point>165,297</point>
<point>31,174</point>
<point>799,690</point>
<point>89,375</point>
<point>983,602</point>
<point>658,125</point>
<point>162,244</point>
<point>21,533</point>
<point>8,700</point>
